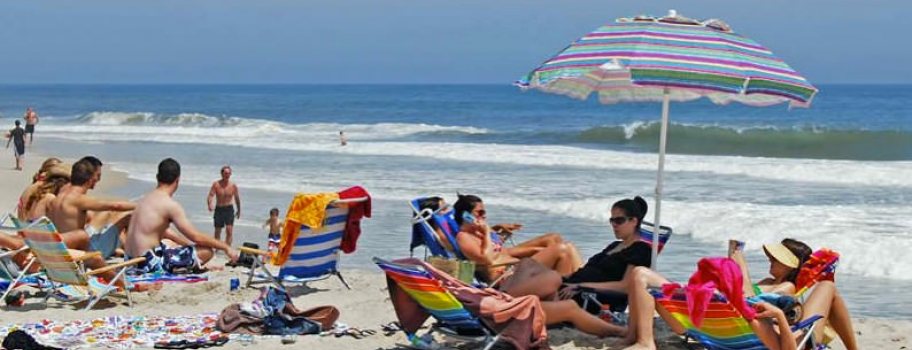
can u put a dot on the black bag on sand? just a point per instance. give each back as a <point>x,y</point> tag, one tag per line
<point>246,260</point>
<point>21,340</point>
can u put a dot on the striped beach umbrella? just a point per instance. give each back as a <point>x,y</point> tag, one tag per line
<point>672,58</point>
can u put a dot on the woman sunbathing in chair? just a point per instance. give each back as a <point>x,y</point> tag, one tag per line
<point>477,243</point>
<point>785,258</point>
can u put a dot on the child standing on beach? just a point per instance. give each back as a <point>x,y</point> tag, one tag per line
<point>275,229</point>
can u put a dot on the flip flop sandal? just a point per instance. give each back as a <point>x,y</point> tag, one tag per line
<point>173,344</point>
<point>352,332</point>
<point>368,332</point>
<point>391,328</point>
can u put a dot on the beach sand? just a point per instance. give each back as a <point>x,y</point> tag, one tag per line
<point>366,306</point>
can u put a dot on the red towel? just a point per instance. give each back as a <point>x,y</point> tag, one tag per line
<point>821,266</point>
<point>356,211</point>
<point>721,274</point>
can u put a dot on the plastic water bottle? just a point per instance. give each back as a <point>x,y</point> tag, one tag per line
<point>235,283</point>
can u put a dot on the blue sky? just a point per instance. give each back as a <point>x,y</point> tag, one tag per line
<point>406,41</point>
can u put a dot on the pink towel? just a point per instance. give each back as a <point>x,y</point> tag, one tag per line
<point>712,274</point>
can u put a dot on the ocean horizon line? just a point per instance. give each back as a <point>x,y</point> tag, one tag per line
<point>267,84</point>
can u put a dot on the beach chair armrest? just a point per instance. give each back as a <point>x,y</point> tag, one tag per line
<point>79,256</point>
<point>14,252</point>
<point>254,251</point>
<point>130,262</point>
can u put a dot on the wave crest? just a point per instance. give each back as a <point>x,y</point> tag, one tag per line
<point>761,141</point>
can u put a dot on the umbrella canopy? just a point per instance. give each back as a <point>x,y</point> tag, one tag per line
<point>670,58</point>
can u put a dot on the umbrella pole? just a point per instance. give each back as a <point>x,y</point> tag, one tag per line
<point>663,136</point>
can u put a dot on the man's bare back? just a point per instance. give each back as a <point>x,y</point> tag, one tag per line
<point>153,215</point>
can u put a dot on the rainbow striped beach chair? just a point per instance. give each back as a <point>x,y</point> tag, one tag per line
<point>65,272</point>
<point>316,253</point>
<point>8,269</point>
<point>723,327</point>
<point>453,320</point>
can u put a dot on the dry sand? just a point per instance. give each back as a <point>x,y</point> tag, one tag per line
<point>366,306</point>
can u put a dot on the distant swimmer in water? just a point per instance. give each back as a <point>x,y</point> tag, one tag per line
<point>342,139</point>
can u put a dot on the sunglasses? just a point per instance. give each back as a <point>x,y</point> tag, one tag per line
<point>619,220</point>
<point>480,213</point>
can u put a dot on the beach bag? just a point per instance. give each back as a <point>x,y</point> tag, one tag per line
<point>463,270</point>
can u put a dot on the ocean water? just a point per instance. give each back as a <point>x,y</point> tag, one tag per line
<point>837,175</point>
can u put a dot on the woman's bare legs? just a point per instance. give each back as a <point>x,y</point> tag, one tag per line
<point>642,305</point>
<point>825,300</point>
<point>563,258</point>
<point>545,240</point>
<point>531,278</point>
<point>568,311</point>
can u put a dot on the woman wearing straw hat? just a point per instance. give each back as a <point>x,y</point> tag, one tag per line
<point>785,259</point>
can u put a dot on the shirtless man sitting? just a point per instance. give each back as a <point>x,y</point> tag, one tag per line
<point>150,222</point>
<point>70,212</point>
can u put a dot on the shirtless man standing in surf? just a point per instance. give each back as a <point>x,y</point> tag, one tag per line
<point>149,228</point>
<point>224,191</point>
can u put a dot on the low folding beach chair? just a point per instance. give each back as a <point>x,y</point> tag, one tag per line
<point>618,300</point>
<point>424,233</point>
<point>453,320</point>
<point>723,327</point>
<point>315,255</point>
<point>8,268</point>
<point>67,275</point>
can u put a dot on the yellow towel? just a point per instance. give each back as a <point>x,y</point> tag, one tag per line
<point>307,209</point>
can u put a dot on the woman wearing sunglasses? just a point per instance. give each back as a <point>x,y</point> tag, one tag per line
<point>544,259</point>
<point>605,270</point>
<point>785,259</point>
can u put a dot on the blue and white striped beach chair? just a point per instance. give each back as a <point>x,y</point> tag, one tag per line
<point>315,255</point>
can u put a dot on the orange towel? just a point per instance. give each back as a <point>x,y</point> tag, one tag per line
<point>308,209</point>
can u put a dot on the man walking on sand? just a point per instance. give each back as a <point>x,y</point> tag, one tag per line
<point>31,119</point>
<point>149,228</point>
<point>224,191</point>
<point>17,137</point>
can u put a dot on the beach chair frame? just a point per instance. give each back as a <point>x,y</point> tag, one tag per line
<point>488,336</point>
<point>258,273</point>
<point>61,268</point>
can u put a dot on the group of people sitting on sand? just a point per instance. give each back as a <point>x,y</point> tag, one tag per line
<point>60,193</point>
<point>551,268</point>
<point>546,266</point>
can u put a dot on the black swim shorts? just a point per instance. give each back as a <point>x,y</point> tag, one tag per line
<point>29,128</point>
<point>223,216</point>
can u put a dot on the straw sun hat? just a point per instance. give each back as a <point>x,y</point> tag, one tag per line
<point>782,254</point>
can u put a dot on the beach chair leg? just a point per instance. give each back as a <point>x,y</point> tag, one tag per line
<point>338,274</point>
<point>251,271</point>
<point>18,277</point>
<point>491,342</point>
<point>123,278</point>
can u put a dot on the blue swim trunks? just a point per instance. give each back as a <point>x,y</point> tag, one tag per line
<point>165,259</point>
